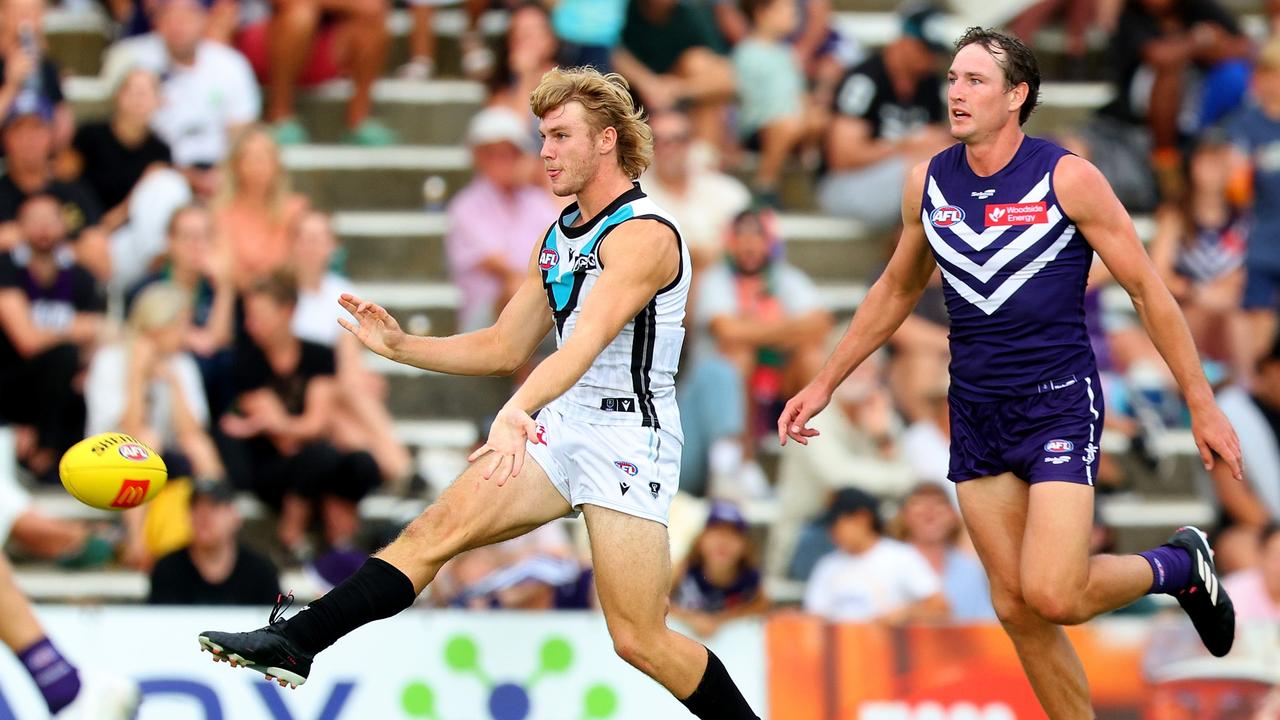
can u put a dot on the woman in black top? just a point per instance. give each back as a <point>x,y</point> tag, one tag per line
<point>111,156</point>
<point>284,408</point>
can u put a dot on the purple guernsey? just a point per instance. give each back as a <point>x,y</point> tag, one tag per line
<point>1014,270</point>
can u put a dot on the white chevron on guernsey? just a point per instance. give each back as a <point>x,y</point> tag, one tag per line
<point>962,230</point>
<point>1003,256</point>
<point>1006,290</point>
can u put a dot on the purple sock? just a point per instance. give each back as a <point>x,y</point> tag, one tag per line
<point>1170,569</point>
<point>58,680</point>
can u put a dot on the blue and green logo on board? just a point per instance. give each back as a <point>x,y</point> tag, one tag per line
<point>508,699</point>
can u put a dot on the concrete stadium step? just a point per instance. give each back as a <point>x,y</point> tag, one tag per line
<point>405,246</point>
<point>434,395</point>
<point>430,113</point>
<point>341,177</point>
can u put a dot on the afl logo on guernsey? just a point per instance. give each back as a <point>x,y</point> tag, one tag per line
<point>946,216</point>
<point>548,258</point>
<point>1059,446</point>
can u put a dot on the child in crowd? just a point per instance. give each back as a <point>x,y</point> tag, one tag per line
<point>719,581</point>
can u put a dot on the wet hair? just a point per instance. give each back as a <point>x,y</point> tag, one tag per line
<point>1014,58</point>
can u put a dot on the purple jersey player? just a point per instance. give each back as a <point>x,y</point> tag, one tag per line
<point>1012,222</point>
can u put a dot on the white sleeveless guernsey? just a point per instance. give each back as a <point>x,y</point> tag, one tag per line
<point>632,381</point>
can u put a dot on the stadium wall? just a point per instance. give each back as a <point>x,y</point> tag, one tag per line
<point>454,665</point>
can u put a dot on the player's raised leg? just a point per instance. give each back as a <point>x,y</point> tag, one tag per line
<point>472,512</point>
<point>632,559</point>
<point>1067,586</point>
<point>995,510</point>
<point>1060,581</point>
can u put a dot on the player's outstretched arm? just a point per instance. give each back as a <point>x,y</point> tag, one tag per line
<point>1088,200</point>
<point>637,260</point>
<point>887,304</point>
<point>496,350</point>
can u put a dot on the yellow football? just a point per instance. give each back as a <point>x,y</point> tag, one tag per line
<point>112,471</point>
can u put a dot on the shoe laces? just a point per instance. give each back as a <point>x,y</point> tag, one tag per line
<point>283,603</point>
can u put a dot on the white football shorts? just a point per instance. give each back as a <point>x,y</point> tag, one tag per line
<point>631,469</point>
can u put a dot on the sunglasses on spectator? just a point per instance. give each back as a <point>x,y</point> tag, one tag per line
<point>679,139</point>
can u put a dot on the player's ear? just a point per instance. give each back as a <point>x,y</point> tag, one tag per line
<point>607,140</point>
<point>1018,96</point>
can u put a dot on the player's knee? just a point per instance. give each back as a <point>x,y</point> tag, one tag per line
<point>632,646</point>
<point>1017,617</point>
<point>440,532</point>
<point>1055,605</point>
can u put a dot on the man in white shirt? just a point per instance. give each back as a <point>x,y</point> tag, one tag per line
<point>703,201</point>
<point>209,89</point>
<point>870,578</point>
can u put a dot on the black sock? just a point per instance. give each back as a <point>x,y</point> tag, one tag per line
<point>376,591</point>
<point>716,697</point>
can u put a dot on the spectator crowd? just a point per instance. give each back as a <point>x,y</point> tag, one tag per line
<point>160,275</point>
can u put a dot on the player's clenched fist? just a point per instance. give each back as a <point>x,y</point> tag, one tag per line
<point>374,326</point>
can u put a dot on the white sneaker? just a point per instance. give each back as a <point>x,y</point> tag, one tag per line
<point>103,697</point>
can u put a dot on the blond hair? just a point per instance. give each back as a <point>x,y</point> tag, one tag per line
<point>229,185</point>
<point>157,306</point>
<point>608,102</point>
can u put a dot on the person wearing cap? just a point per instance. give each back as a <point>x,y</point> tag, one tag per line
<point>719,579</point>
<point>495,220</point>
<point>868,577</point>
<point>887,116</point>
<point>765,317</point>
<point>215,568</point>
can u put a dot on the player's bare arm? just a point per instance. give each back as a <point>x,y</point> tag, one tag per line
<point>886,306</point>
<point>638,259</point>
<point>496,350</point>
<point>1089,201</point>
